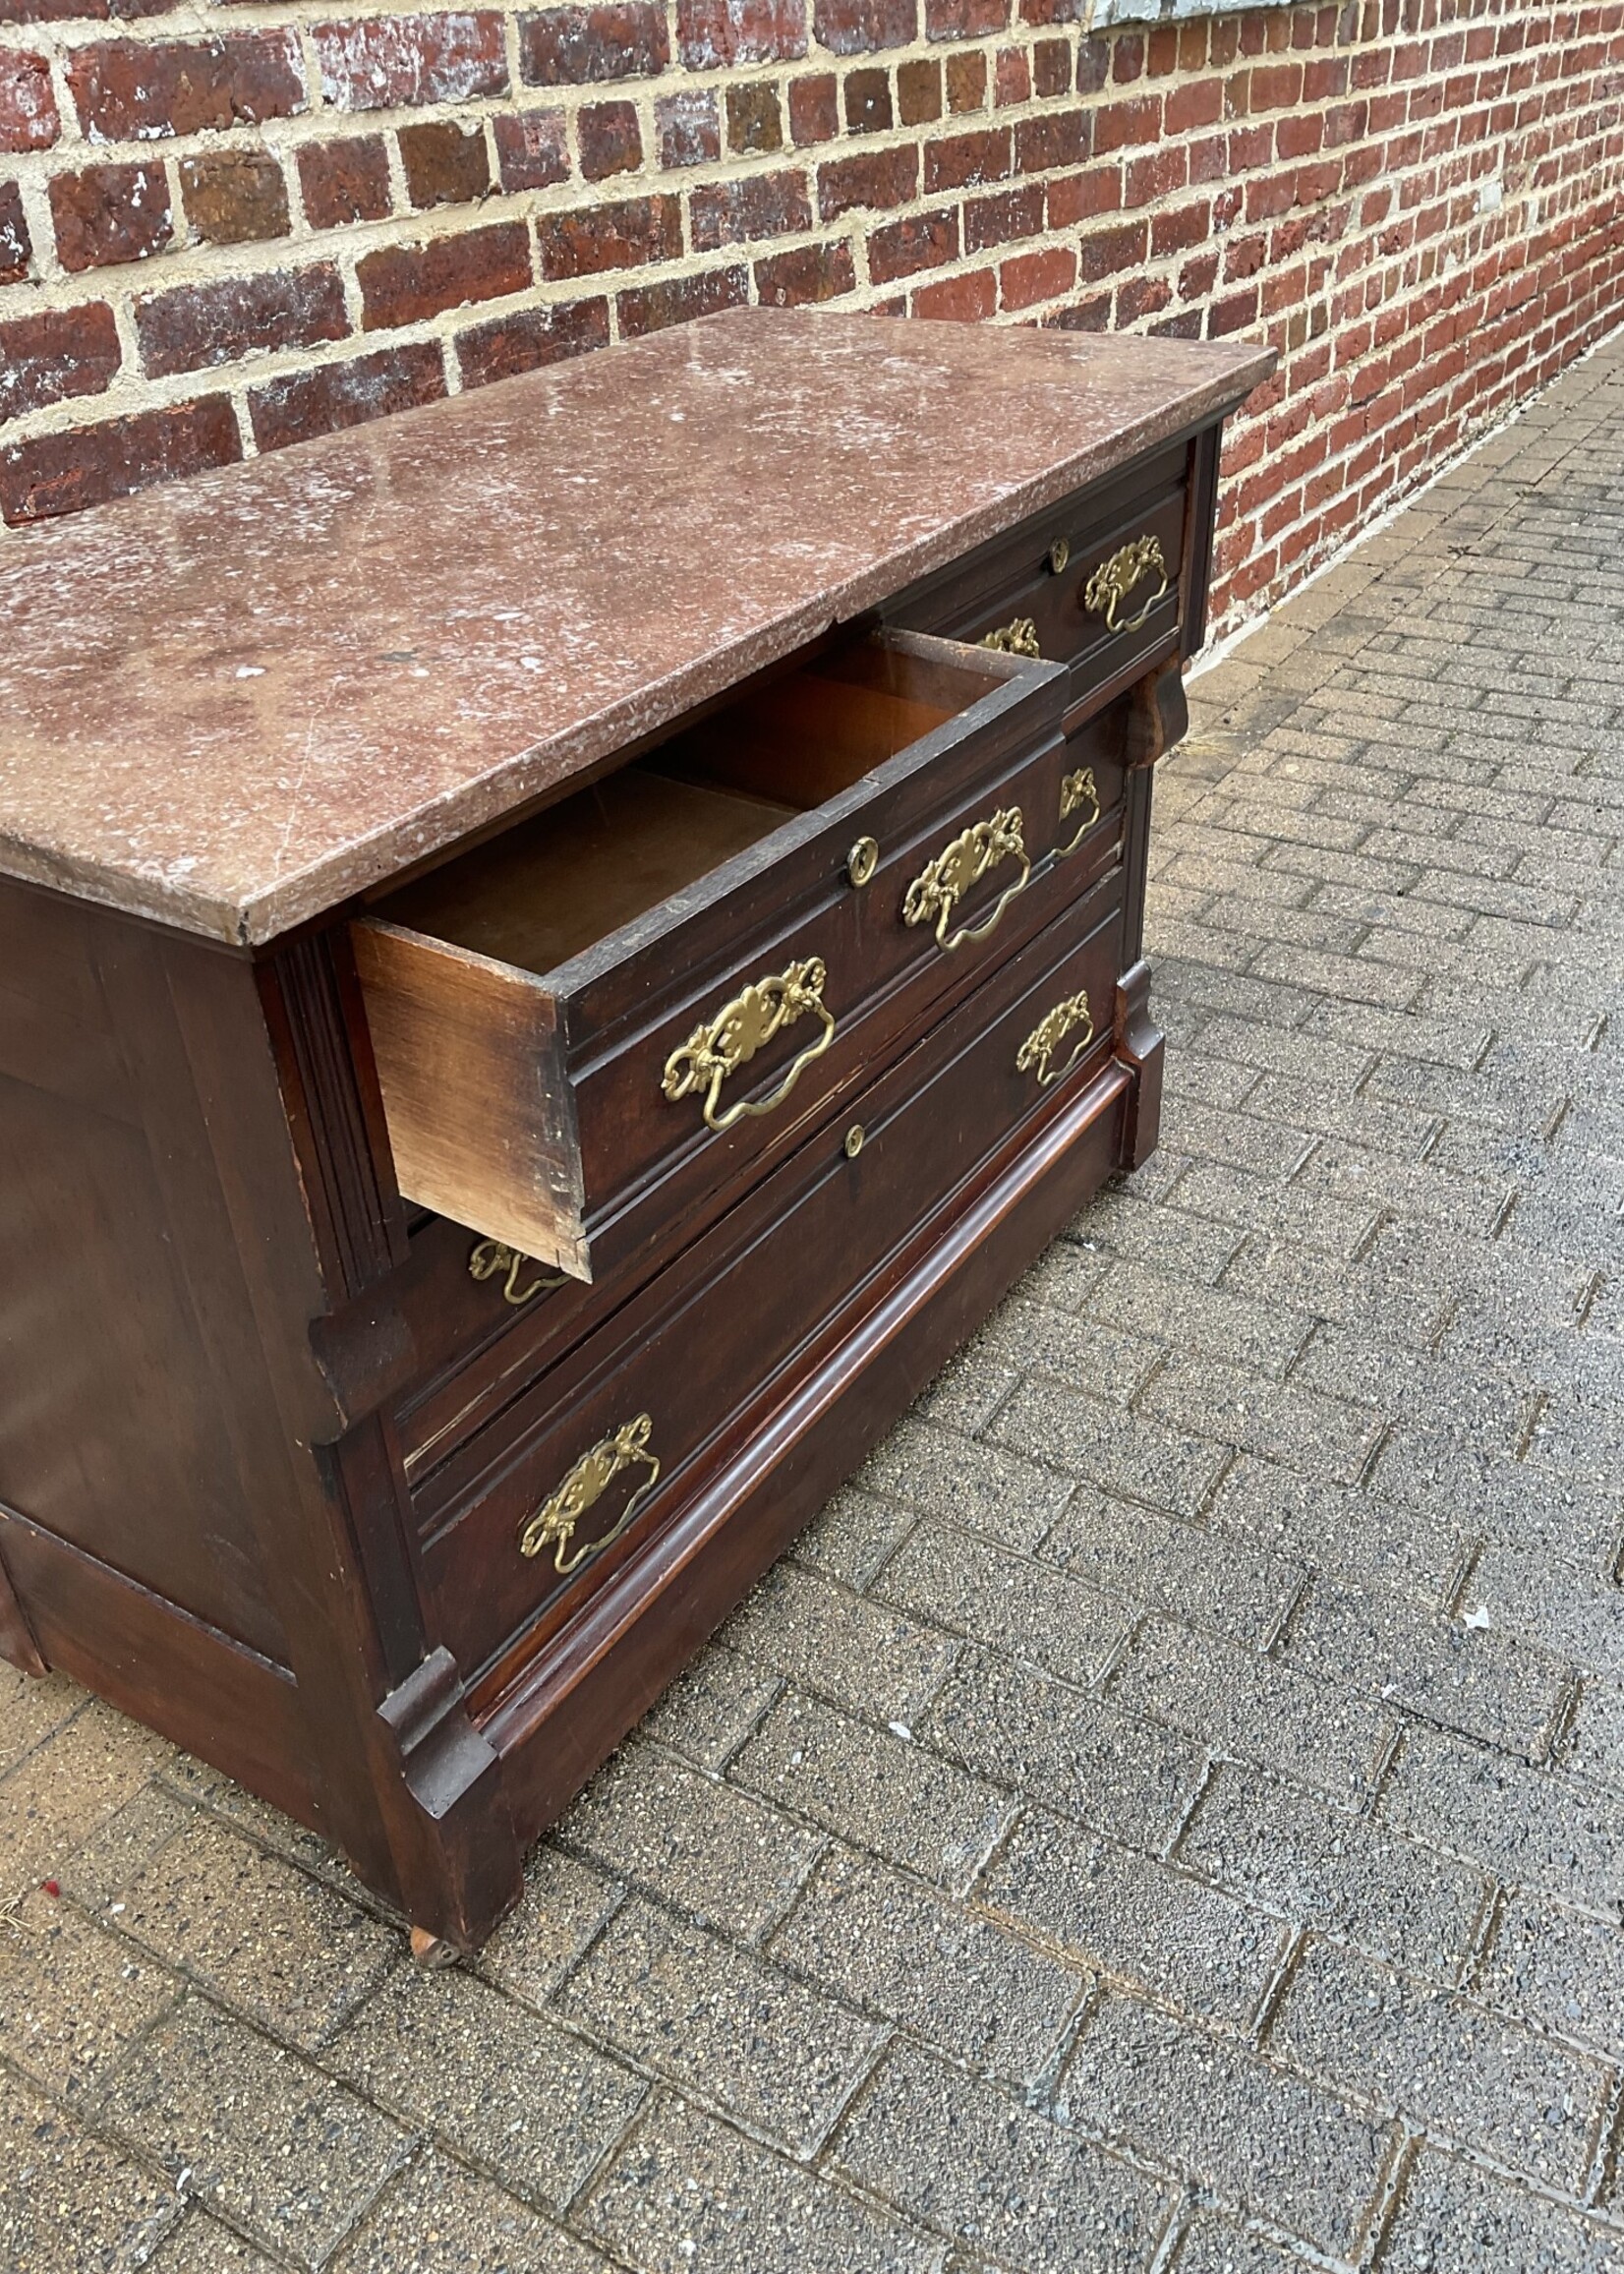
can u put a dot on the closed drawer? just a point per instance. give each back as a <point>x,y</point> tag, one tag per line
<point>595,1453</point>
<point>652,991</point>
<point>1096,586</point>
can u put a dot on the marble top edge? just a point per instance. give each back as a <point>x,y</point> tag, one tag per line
<point>234,703</point>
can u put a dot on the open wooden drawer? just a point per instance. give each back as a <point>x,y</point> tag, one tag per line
<point>651,987</point>
<point>648,990</point>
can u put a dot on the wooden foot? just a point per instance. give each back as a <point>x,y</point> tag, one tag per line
<point>431,1951</point>
<point>1158,715</point>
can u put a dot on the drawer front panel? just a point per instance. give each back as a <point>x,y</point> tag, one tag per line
<point>1096,586</point>
<point>951,897</point>
<point>466,1296</point>
<point>597,1451</point>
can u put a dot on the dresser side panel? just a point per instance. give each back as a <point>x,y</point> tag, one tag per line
<point>111,1433</point>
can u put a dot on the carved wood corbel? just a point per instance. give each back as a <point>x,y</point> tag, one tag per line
<point>1158,716</point>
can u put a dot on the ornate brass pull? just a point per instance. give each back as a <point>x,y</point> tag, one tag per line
<point>741,1028</point>
<point>1114,579</point>
<point>1050,1032</point>
<point>493,1258</point>
<point>1078,792</point>
<point>554,1521</point>
<point>942,882</point>
<point>1016,638</point>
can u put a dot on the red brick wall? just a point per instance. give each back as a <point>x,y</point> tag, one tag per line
<point>215,241</point>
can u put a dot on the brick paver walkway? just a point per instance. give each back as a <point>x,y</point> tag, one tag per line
<point>1170,1810</point>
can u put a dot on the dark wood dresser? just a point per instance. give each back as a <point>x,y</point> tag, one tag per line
<point>558,955</point>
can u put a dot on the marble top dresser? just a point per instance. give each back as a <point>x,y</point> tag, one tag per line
<point>560,953</point>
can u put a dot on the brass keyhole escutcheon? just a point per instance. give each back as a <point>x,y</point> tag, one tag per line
<point>862,860</point>
<point>1060,552</point>
<point>854,1140</point>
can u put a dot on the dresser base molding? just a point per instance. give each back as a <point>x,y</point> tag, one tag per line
<point>1139,1046</point>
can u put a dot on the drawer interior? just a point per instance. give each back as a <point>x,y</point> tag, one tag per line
<point>544,891</point>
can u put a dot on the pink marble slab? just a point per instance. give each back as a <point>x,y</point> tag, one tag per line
<point>233,702</point>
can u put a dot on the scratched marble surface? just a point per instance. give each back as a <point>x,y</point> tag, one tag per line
<point>232,702</point>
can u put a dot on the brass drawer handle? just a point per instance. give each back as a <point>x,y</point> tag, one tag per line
<point>741,1028</point>
<point>942,882</point>
<point>1114,579</point>
<point>554,1521</point>
<point>1050,1032</point>
<point>1016,638</point>
<point>1078,792</point>
<point>493,1258</point>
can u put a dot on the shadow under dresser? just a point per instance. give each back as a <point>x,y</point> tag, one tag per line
<point>560,953</point>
